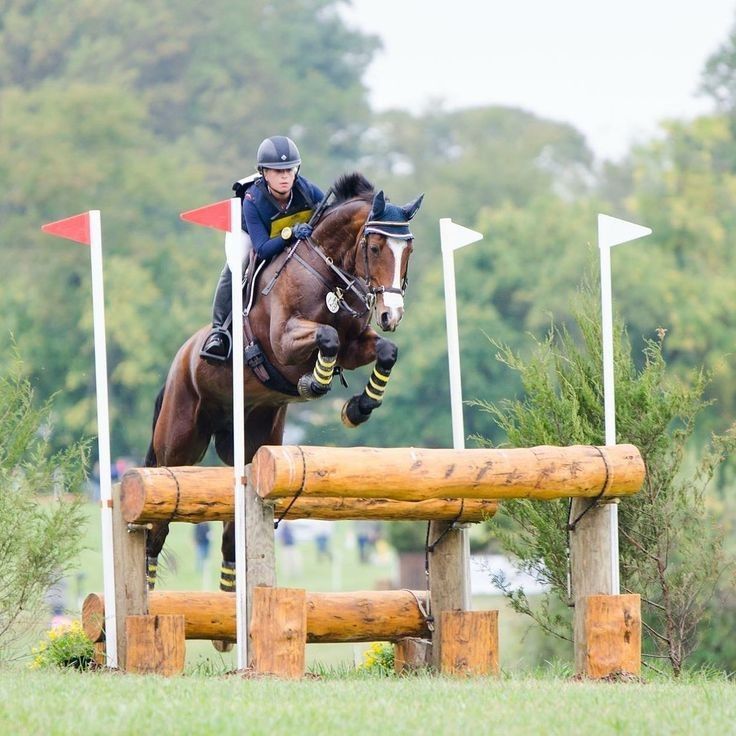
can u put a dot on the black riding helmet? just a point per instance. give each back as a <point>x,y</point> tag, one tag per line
<point>277,152</point>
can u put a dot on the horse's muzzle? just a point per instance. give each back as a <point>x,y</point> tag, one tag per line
<point>393,310</point>
<point>389,319</point>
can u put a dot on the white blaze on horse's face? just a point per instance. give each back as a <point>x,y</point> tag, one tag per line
<point>392,301</point>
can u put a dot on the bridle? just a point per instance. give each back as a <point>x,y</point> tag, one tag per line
<point>359,287</point>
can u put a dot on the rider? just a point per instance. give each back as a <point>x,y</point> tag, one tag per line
<point>276,210</point>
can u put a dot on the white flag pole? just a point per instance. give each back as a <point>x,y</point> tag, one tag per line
<point>103,436</point>
<point>453,351</point>
<point>235,251</point>
<point>612,231</point>
<point>452,237</point>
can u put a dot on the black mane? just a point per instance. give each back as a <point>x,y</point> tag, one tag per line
<point>349,186</point>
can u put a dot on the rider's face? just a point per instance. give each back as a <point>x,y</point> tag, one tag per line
<point>280,180</point>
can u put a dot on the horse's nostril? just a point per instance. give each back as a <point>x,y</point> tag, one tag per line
<point>385,320</point>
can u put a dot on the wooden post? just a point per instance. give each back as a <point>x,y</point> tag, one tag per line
<point>260,550</point>
<point>130,577</point>
<point>448,576</point>
<point>278,630</point>
<point>156,645</point>
<point>412,655</point>
<point>612,635</point>
<point>590,563</point>
<point>469,642</point>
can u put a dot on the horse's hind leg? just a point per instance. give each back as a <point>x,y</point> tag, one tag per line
<point>264,426</point>
<point>177,439</point>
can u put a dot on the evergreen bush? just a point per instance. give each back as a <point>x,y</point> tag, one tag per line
<point>671,546</point>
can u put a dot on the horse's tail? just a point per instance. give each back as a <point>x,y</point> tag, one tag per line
<point>151,461</point>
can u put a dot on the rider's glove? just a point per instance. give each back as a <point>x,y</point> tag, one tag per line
<point>302,230</point>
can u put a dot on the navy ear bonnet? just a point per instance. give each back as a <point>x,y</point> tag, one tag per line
<point>390,219</point>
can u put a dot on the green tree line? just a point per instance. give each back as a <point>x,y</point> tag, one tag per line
<point>145,110</point>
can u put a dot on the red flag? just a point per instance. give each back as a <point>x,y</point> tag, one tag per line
<point>212,215</point>
<point>73,228</point>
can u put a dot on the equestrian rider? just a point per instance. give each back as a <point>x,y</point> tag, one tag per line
<point>276,210</point>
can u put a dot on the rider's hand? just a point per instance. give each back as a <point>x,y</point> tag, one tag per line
<point>302,230</point>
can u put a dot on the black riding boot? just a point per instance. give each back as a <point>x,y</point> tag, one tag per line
<point>217,346</point>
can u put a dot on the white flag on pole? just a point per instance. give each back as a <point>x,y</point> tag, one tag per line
<point>613,231</point>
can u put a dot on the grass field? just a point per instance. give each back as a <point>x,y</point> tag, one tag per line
<point>339,699</point>
<point>51,703</point>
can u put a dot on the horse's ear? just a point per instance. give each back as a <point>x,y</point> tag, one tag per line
<point>378,206</point>
<point>411,209</point>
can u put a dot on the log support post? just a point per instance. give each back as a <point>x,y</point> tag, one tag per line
<point>156,645</point>
<point>278,632</point>
<point>591,563</point>
<point>469,643</point>
<point>130,578</point>
<point>412,655</point>
<point>612,643</point>
<point>260,550</point>
<point>449,564</point>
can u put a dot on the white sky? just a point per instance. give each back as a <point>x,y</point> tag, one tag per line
<point>612,68</point>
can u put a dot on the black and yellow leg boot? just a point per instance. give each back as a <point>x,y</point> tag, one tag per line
<point>227,577</point>
<point>151,570</point>
<point>359,408</point>
<point>319,381</point>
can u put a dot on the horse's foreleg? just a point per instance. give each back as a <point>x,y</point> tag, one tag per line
<point>319,381</point>
<point>358,409</point>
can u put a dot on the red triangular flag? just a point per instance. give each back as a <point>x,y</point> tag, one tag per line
<point>73,228</point>
<point>212,215</point>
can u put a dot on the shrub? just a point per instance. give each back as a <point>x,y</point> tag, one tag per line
<point>41,516</point>
<point>379,658</point>
<point>671,548</point>
<point>64,646</point>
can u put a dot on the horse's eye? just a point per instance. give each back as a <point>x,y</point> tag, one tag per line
<point>374,249</point>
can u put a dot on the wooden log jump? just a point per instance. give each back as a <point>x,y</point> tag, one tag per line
<point>195,494</point>
<point>441,486</point>
<point>413,474</point>
<point>386,615</point>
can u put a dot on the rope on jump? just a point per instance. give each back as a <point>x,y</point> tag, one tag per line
<point>298,493</point>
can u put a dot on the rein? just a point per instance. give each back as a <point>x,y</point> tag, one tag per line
<point>359,287</point>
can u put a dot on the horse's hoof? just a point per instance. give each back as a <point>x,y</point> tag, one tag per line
<point>353,414</point>
<point>308,388</point>
<point>345,418</point>
<point>222,646</point>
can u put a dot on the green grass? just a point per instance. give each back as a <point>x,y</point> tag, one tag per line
<point>101,703</point>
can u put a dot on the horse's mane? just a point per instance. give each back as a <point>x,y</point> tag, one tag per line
<point>350,186</point>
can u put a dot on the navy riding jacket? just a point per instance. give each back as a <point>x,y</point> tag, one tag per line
<point>264,219</point>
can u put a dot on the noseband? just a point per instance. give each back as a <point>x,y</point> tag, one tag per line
<point>375,290</point>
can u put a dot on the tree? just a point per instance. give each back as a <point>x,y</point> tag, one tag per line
<point>671,548</point>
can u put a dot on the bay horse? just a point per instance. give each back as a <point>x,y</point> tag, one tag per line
<point>310,319</point>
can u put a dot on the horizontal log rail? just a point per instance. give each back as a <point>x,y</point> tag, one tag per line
<point>413,474</point>
<point>194,494</point>
<point>375,615</point>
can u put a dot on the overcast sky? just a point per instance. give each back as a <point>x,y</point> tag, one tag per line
<point>612,68</point>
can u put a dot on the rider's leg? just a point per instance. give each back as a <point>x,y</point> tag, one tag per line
<point>217,344</point>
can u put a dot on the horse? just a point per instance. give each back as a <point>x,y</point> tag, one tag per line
<point>310,320</point>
